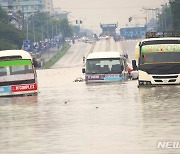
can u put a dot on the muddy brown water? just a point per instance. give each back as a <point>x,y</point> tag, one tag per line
<point>76,118</point>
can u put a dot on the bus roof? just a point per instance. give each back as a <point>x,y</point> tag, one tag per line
<point>103,55</point>
<point>15,53</point>
<point>161,38</point>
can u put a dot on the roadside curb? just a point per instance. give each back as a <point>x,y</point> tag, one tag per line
<point>56,56</point>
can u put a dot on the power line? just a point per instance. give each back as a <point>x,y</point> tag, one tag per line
<point>103,8</point>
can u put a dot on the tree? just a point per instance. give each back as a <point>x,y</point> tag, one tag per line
<point>169,19</point>
<point>76,30</point>
<point>3,16</point>
<point>38,26</point>
<point>175,5</point>
<point>165,19</point>
<point>10,37</point>
<point>45,26</point>
<point>65,28</point>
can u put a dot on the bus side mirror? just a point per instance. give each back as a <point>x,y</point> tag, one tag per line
<point>134,65</point>
<point>83,70</point>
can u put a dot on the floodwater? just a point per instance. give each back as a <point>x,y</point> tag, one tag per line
<point>76,118</point>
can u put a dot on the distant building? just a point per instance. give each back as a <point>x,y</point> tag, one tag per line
<point>58,14</point>
<point>133,32</point>
<point>27,7</point>
<point>48,6</point>
<point>108,29</point>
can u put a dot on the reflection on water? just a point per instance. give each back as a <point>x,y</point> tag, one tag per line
<point>31,100</point>
<point>26,100</point>
<point>76,118</point>
<point>161,112</point>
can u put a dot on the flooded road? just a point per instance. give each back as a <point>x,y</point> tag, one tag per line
<point>76,118</point>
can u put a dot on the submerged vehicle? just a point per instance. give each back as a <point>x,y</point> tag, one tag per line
<point>158,61</point>
<point>105,66</point>
<point>17,74</point>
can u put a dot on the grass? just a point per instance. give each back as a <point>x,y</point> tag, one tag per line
<point>57,56</point>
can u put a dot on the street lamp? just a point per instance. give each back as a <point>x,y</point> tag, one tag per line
<point>27,28</point>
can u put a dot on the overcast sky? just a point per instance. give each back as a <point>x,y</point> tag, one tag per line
<point>94,12</point>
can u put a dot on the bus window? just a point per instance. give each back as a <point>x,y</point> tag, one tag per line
<point>116,69</point>
<point>3,71</point>
<point>21,69</point>
<point>28,69</point>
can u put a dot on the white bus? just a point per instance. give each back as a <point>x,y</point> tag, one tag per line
<point>17,74</point>
<point>159,61</point>
<point>105,66</point>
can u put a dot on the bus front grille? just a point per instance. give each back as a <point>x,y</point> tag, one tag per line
<point>17,82</point>
<point>166,77</point>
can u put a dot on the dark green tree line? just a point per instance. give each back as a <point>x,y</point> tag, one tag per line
<point>175,6</point>
<point>43,26</point>
<point>36,27</point>
<point>169,19</point>
<point>10,37</point>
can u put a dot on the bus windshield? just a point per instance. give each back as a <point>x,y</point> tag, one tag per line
<point>104,66</point>
<point>10,69</point>
<point>160,53</point>
<point>160,57</point>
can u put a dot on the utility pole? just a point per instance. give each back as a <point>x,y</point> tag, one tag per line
<point>34,30</point>
<point>10,7</point>
<point>27,28</point>
<point>151,13</point>
<point>42,32</point>
<point>18,6</point>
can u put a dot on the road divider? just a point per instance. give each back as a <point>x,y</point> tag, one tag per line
<point>56,56</point>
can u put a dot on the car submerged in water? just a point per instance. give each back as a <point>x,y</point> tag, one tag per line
<point>106,67</point>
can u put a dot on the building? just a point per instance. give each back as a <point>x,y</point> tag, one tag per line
<point>48,6</point>
<point>108,29</point>
<point>58,14</point>
<point>133,32</point>
<point>27,7</point>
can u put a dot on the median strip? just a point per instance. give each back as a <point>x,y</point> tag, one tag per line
<point>56,56</point>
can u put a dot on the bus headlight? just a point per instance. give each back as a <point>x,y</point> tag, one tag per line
<point>145,83</point>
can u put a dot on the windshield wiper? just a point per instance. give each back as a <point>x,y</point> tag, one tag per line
<point>107,72</point>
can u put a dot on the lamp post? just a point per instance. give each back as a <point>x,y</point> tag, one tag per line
<point>42,32</point>
<point>27,28</point>
<point>27,25</point>
<point>34,36</point>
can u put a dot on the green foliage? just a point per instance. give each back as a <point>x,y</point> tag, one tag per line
<point>76,30</point>
<point>169,19</point>
<point>175,5</point>
<point>5,45</point>
<point>3,16</point>
<point>47,27</point>
<point>38,26</point>
<point>165,20</point>
<point>10,37</point>
<point>66,30</point>
<point>57,56</point>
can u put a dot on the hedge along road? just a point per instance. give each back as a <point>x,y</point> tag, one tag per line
<point>74,56</point>
<point>74,118</point>
<point>52,56</point>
